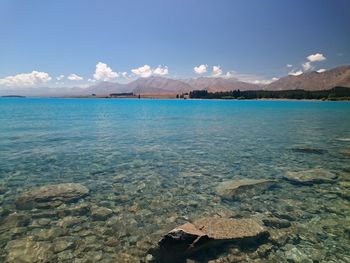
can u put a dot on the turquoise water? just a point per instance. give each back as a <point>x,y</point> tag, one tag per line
<point>156,164</point>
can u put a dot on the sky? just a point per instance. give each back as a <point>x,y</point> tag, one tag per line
<point>72,43</point>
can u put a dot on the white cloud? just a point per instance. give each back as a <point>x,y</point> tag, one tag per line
<point>74,77</point>
<point>26,79</point>
<point>295,73</point>
<point>307,66</point>
<point>217,71</point>
<point>161,71</point>
<point>249,78</point>
<point>144,71</point>
<point>60,77</point>
<point>201,69</point>
<point>124,74</point>
<point>289,65</point>
<point>321,70</point>
<point>274,79</point>
<point>104,73</point>
<point>316,57</point>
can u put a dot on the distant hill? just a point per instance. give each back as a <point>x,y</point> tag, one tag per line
<point>158,85</point>
<point>220,84</point>
<point>339,76</point>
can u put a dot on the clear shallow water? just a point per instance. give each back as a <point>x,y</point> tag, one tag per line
<point>156,164</point>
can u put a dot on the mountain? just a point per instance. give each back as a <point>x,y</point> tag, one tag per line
<point>220,84</point>
<point>339,76</point>
<point>105,88</point>
<point>158,85</point>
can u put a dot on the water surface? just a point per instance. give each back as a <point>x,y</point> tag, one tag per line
<point>156,164</point>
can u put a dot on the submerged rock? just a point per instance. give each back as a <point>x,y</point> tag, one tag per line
<point>27,250</point>
<point>345,152</point>
<point>206,233</point>
<point>276,223</point>
<point>101,213</point>
<point>51,195</point>
<point>308,149</point>
<point>235,188</point>
<point>14,220</point>
<point>312,176</point>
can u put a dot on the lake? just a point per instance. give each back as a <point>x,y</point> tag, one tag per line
<point>152,165</point>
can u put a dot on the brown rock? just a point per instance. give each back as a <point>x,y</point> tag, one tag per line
<point>312,176</point>
<point>208,232</point>
<point>43,196</point>
<point>237,188</point>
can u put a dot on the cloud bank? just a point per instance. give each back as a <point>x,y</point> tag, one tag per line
<point>146,71</point>
<point>26,79</point>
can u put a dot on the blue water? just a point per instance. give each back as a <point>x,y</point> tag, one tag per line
<point>164,158</point>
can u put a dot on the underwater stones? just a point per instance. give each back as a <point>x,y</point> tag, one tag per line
<point>309,177</point>
<point>308,149</point>
<point>62,243</point>
<point>236,188</point>
<point>69,221</point>
<point>345,152</point>
<point>207,233</point>
<point>27,250</point>
<point>51,195</point>
<point>2,189</point>
<point>14,220</point>
<point>101,213</point>
<point>276,223</point>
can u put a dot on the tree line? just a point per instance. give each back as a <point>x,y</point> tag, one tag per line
<point>336,93</point>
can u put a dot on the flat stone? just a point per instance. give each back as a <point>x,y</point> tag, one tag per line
<point>276,223</point>
<point>312,176</point>
<point>14,220</point>
<point>63,243</point>
<point>236,188</point>
<point>345,152</point>
<point>308,149</point>
<point>101,213</point>
<point>206,233</point>
<point>51,195</point>
<point>69,221</point>
<point>28,251</point>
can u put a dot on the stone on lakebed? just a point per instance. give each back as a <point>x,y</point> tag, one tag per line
<point>311,176</point>
<point>235,188</point>
<point>204,233</point>
<point>51,194</point>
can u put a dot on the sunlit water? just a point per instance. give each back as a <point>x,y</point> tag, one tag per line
<point>156,164</point>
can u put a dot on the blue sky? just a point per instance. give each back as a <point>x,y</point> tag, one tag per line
<point>252,40</point>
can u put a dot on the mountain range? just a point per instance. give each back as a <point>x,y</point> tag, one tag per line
<point>339,76</point>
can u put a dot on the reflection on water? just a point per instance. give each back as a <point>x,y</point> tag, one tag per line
<point>151,165</point>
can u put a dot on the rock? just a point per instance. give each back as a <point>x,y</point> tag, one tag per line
<point>312,176</point>
<point>276,223</point>
<point>28,251</point>
<point>308,149</point>
<point>62,243</point>
<point>2,189</point>
<point>14,220</point>
<point>101,213</point>
<point>69,221</point>
<point>51,195</point>
<point>50,234</point>
<point>345,152</point>
<point>78,210</point>
<point>236,188</point>
<point>207,233</point>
